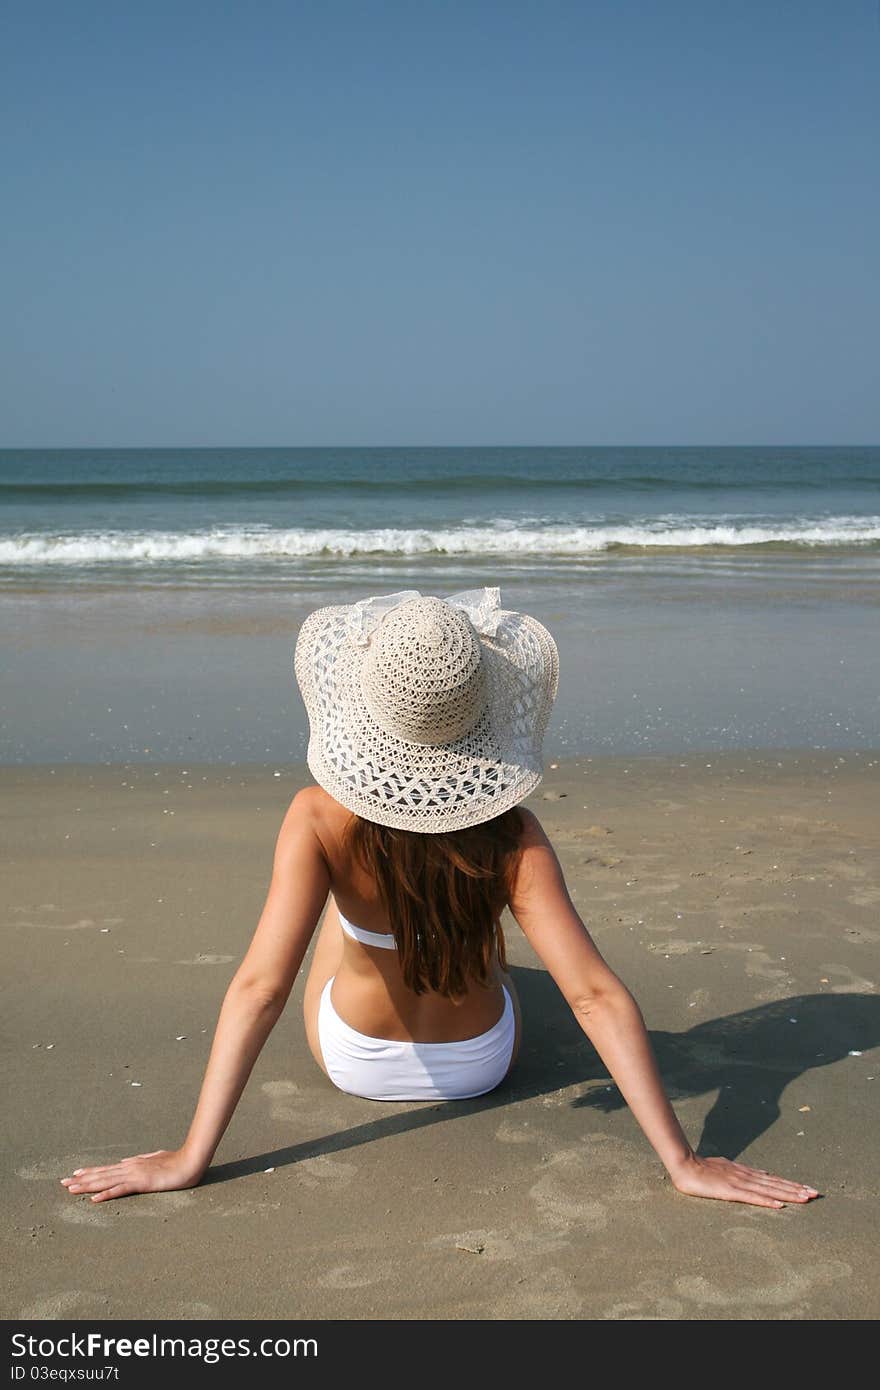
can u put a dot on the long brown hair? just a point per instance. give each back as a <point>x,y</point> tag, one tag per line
<point>444,895</point>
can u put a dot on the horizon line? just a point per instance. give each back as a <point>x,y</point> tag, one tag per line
<point>653,444</point>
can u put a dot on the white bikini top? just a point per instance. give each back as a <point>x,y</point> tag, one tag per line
<point>368,938</point>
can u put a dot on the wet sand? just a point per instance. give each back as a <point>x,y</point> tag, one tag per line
<point>737,895</point>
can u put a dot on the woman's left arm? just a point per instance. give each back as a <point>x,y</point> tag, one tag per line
<point>252,1006</point>
<point>612,1020</point>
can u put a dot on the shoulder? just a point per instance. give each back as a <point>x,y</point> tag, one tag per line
<point>313,803</point>
<point>308,801</point>
<point>532,832</point>
<point>313,812</point>
<point>537,864</point>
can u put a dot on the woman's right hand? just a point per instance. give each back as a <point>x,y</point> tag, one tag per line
<point>163,1170</point>
<point>727,1181</point>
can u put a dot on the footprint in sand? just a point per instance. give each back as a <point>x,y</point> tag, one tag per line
<point>325,1172</point>
<point>82,1211</point>
<point>67,1303</point>
<point>864,897</point>
<point>286,1099</point>
<point>160,1203</point>
<point>280,1090</point>
<point>759,965</point>
<point>767,1279</point>
<point>195,1311</point>
<point>518,1132</point>
<point>627,1173</point>
<point>79,1211</point>
<point>559,1194</point>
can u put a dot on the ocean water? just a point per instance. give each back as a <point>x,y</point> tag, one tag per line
<point>315,516</point>
<point>701,598</point>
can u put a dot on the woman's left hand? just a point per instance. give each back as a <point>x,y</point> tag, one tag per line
<point>163,1170</point>
<point>727,1181</point>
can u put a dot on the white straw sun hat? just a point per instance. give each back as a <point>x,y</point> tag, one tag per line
<point>426,713</point>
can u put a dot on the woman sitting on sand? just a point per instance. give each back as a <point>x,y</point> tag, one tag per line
<point>427,717</point>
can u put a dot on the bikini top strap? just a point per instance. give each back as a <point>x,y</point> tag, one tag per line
<point>384,940</point>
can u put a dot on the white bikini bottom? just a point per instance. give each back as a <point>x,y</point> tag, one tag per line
<point>381,1069</point>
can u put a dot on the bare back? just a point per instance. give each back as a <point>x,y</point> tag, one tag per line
<point>369,989</point>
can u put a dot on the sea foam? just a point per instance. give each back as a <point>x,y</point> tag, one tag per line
<point>242,543</point>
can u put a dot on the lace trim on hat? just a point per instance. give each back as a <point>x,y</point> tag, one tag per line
<point>482,606</point>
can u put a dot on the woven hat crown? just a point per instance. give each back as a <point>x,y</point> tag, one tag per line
<point>423,678</point>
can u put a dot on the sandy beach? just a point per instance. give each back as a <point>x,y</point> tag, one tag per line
<point>563,317</point>
<point>736,894</point>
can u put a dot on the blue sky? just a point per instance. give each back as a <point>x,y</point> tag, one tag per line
<point>475,223</point>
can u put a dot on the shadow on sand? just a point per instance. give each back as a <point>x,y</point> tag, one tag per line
<point>747,1059</point>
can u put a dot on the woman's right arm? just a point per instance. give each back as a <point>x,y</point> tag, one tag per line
<point>612,1020</point>
<point>252,1006</point>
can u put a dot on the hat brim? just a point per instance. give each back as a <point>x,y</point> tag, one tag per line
<point>416,786</point>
